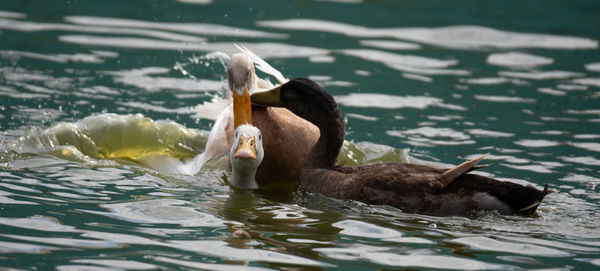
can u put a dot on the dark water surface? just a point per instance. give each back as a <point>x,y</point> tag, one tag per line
<point>92,91</point>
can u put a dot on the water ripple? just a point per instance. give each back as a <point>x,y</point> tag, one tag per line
<point>209,266</point>
<point>377,100</point>
<point>463,37</point>
<point>116,264</point>
<point>489,244</point>
<point>191,28</point>
<point>160,211</point>
<point>363,229</point>
<point>518,60</point>
<point>221,249</point>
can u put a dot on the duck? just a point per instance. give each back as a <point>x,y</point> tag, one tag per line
<point>286,137</point>
<point>245,156</point>
<point>411,188</point>
<point>246,152</point>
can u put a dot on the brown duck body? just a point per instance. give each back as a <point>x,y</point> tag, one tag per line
<point>410,187</point>
<point>421,189</point>
<point>287,140</point>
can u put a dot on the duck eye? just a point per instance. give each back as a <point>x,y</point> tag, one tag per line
<point>236,133</point>
<point>259,137</point>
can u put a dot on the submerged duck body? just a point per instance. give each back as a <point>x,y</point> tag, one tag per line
<point>412,188</point>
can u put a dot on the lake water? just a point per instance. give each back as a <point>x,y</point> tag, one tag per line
<point>91,91</point>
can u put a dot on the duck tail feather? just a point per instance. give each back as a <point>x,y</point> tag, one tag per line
<point>546,191</point>
<point>262,65</point>
<point>529,209</point>
<point>478,167</point>
<point>449,175</point>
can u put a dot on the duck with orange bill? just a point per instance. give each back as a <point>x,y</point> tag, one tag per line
<point>410,187</point>
<point>287,138</point>
<point>247,151</point>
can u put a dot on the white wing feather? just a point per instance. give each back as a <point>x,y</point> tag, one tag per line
<point>211,110</point>
<point>262,65</point>
<point>219,140</point>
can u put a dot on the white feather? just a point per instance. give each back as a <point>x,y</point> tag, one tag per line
<point>211,110</point>
<point>262,65</point>
<point>219,139</point>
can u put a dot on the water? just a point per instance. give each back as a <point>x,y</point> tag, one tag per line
<point>91,92</point>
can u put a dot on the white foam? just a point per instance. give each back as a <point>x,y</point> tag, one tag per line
<point>517,60</point>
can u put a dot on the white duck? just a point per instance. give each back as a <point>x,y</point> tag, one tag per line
<point>287,138</point>
<point>245,155</point>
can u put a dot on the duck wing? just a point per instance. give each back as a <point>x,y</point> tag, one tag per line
<point>382,183</point>
<point>213,109</point>
<point>424,189</point>
<point>451,174</point>
<point>219,140</point>
<point>262,65</point>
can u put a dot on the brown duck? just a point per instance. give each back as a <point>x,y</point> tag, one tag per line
<point>412,188</point>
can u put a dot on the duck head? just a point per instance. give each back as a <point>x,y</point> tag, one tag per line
<point>303,97</point>
<point>245,155</point>
<point>242,80</point>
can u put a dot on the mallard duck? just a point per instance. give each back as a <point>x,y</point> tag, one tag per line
<point>409,187</point>
<point>286,137</point>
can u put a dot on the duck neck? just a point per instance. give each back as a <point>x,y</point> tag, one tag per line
<point>243,177</point>
<point>325,114</point>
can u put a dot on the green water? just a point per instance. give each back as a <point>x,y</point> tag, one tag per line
<point>90,88</point>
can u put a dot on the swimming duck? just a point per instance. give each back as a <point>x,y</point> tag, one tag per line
<point>409,187</point>
<point>286,137</point>
<point>246,154</point>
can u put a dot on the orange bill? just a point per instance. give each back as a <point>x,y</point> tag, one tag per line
<point>242,108</point>
<point>246,148</point>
